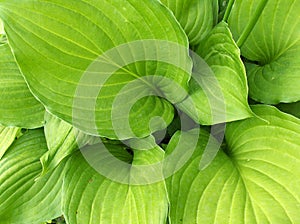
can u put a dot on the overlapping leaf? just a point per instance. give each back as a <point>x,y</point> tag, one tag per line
<point>273,46</point>
<point>91,197</point>
<point>55,43</point>
<point>291,108</point>
<point>18,107</point>
<point>104,68</point>
<point>196,17</point>
<point>254,179</point>
<point>22,199</point>
<point>7,136</point>
<point>62,140</point>
<point>222,8</point>
<point>219,88</point>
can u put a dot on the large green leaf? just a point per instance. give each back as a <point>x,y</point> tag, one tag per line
<point>7,136</point>
<point>22,199</point>
<point>90,197</point>
<point>57,44</point>
<point>219,92</point>
<point>196,17</point>
<point>17,105</point>
<point>62,140</point>
<point>274,44</point>
<point>254,179</point>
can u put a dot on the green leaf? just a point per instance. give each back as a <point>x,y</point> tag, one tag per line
<point>273,46</point>
<point>22,199</point>
<point>291,108</point>
<point>196,17</point>
<point>219,92</point>
<point>62,140</point>
<point>254,179</point>
<point>92,198</point>
<point>7,136</point>
<point>67,50</point>
<point>222,8</point>
<point>1,28</point>
<point>17,105</point>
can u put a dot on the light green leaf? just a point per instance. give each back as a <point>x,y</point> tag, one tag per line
<point>219,92</point>
<point>17,105</point>
<point>58,43</point>
<point>273,46</point>
<point>7,136</point>
<point>62,140</point>
<point>254,179</point>
<point>196,17</point>
<point>1,28</point>
<point>93,198</point>
<point>22,199</point>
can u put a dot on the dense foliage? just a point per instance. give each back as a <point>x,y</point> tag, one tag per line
<point>148,111</point>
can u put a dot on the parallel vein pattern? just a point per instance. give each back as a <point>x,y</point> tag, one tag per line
<point>196,17</point>
<point>56,41</point>
<point>62,140</point>
<point>274,48</point>
<point>218,89</point>
<point>7,136</point>
<point>23,199</point>
<point>255,181</point>
<point>93,198</point>
<point>18,107</point>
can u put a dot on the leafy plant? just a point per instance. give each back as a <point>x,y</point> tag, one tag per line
<point>149,111</point>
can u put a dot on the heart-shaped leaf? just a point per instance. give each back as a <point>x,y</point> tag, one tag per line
<point>218,88</point>
<point>196,17</point>
<point>255,178</point>
<point>273,46</point>
<point>18,107</point>
<point>83,60</point>
<point>22,199</point>
<point>90,197</point>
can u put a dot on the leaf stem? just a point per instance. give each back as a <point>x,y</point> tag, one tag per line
<point>261,5</point>
<point>228,10</point>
